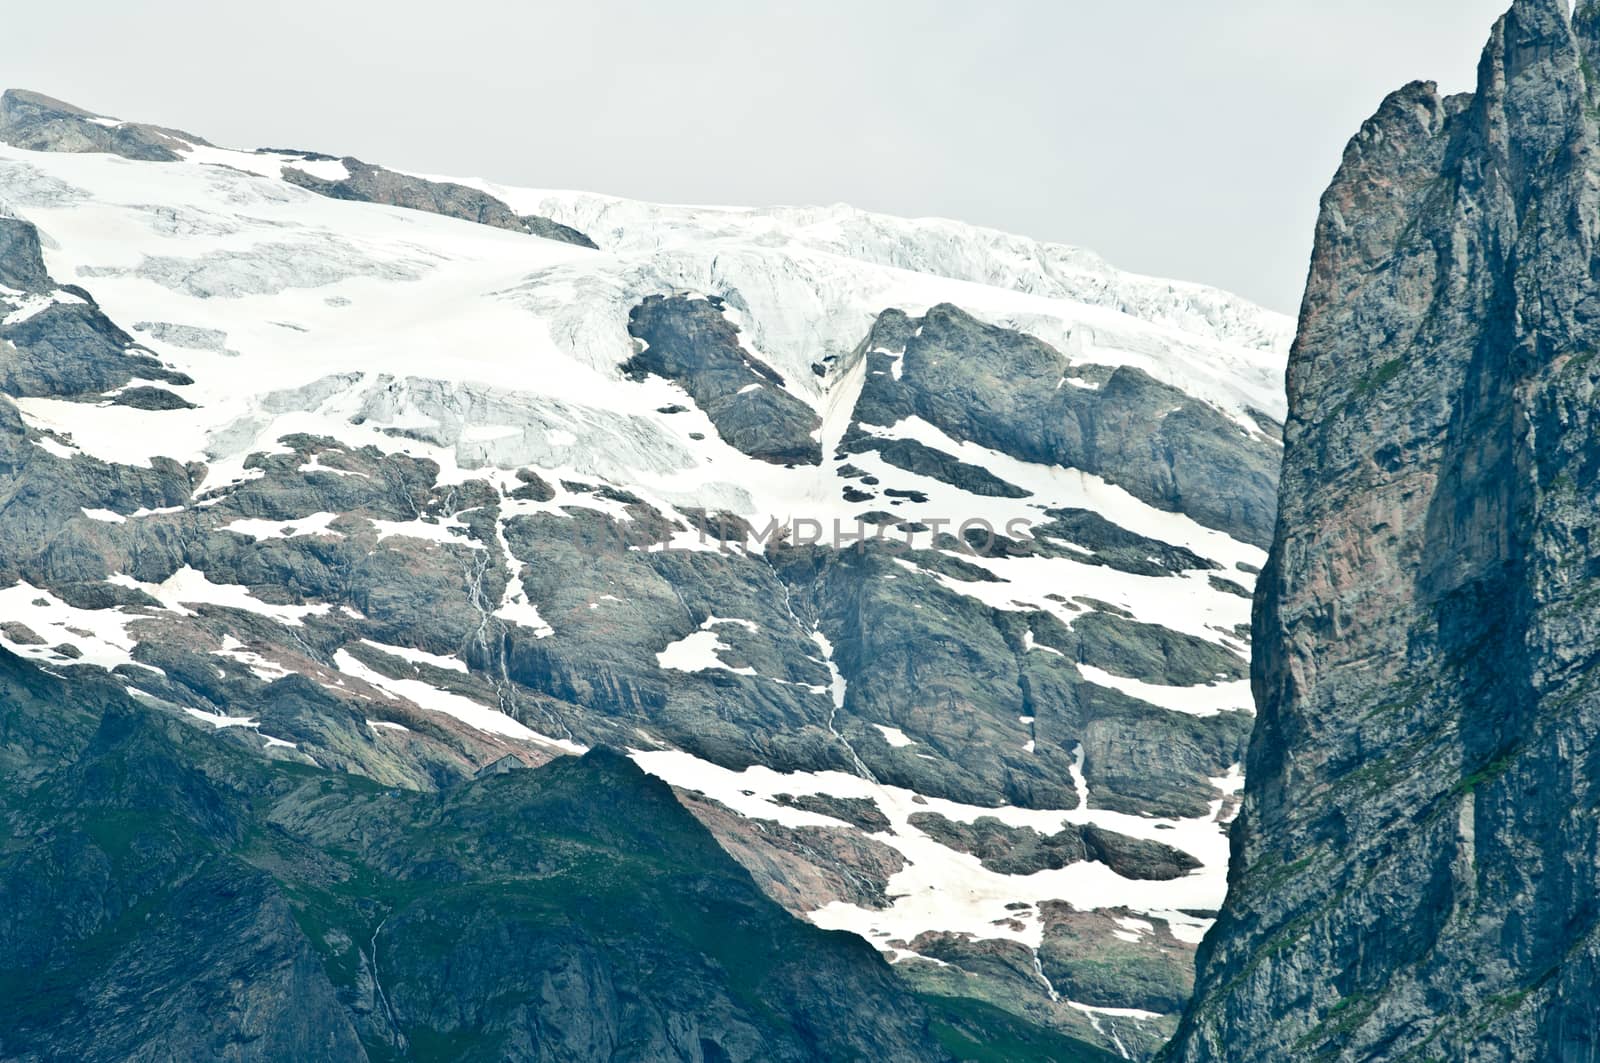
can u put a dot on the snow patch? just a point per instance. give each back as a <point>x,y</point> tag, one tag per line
<point>255,528</point>
<point>894,736</point>
<point>1201,700</point>
<point>100,635</point>
<point>416,656</point>
<point>262,668</point>
<point>941,889</point>
<point>189,586</point>
<point>426,696</point>
<point>700,650</point>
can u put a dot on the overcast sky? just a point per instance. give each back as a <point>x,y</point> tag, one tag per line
<point>1177,138</point>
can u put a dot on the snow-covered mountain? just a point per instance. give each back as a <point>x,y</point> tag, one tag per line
<point>917,556</point>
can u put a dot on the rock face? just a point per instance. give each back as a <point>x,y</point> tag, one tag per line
<point>1011,393</point>
<point>1415,865</point>
<point>1023,851</point>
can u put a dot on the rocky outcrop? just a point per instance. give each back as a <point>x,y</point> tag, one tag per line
<point>38,123</point>
<point>21,258</point>
<point>1115,546</point>
<point>1112,957</point>
<point>912,456</point>
<point>1005,849</point>
<point>134,921</point>
<point>54,340</point>
<point>1414,871</point>
<point>1007,391</point>
<point>366,183</point>
<point>857,811</point>
<point>691,343</point>
<point>1024,851</point>
<point>550,229</point>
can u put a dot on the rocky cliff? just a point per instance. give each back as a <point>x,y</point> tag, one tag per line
<point>1414,867</point>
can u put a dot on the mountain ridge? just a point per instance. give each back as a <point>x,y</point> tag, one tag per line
<point>411,495</point>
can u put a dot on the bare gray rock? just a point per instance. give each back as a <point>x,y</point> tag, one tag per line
<point>38,123</point>
<point>21,258</point>
<point>367,183</point>
<point>690,342</point>
<point>1416,872</point>
<point>1003,389</point>
<point>1009,850</point>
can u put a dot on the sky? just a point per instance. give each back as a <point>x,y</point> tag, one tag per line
<point>1181,139</point>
